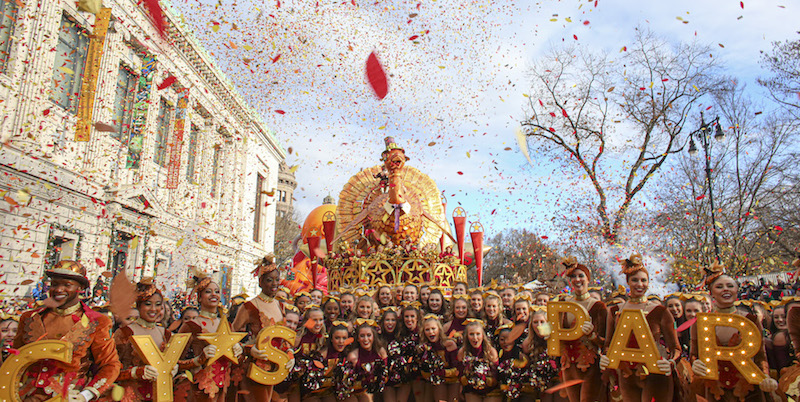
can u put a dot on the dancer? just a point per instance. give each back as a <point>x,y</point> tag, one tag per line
<point>439,360</point>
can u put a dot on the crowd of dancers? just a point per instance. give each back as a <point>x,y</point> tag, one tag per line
<point>403,343</point>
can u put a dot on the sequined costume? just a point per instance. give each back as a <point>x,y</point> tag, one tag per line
<point>512,372</point>
<point>437,364</point>
<point>479,375</point>
<point>309,368</point>
<point>789,383</point>
<point>95,364</point>
<point>368,374</point>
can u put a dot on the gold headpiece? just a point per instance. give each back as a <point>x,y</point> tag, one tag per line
<point>69,269</point>
<point>414,304</point>
<point>469,321</point>
<point>265,265</point>
<point>714,271</point>
<point>632,265</point>
<point>366,321</point>
<point>571,264</point>
<point>503,327</point>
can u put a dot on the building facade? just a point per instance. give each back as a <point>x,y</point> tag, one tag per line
<point>286,185</point>
<point>126,151</point>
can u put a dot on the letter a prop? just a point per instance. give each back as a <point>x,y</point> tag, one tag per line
<point>633,322</point>
<point>741,355</point>
<point>14,367</point>
<point>163,362</point>
<point>277,356</point>
<point>555,310</point>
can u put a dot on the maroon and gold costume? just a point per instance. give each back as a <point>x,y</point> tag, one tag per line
<point>95,364</point>
<point>580,358</point>
<point>135,389</point>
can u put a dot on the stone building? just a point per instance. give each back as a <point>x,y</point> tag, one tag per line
<point>286,185</point>
<point>126,151</point>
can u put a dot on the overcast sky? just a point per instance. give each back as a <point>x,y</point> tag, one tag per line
<point>455,92</point>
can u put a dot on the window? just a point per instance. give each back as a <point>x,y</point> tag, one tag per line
<point>123,107</point>
<point>260,209</point>
<point>162,132</point>
<point>120,247</point>
<point>71,51</point>
<point>193,134</point>
<point>283,196</point>
<point>215,170</point>
<point>8,19</point>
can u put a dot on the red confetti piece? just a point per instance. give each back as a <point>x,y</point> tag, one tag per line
<point>377,77</point>
<point>413,37</point>
<point>99,262</point>
<point>46,112</point>
<point>700,197</point>
<point>741,4</point>
<point>686,325</point>
<point>13,351</point>
<point>461,173</point>
<point>157,15</point>
<point>276,58</point>
<point>211,242</point>
<point>544,237</point>
<point>167,82</point>
<point>278,111</point>
<point>586,22</point>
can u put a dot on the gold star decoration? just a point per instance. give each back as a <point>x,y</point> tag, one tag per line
<point>224,340</point>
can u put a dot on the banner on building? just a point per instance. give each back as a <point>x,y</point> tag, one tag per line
<point>136,139</point>
<point>174,166</point>
<point>90,75</point>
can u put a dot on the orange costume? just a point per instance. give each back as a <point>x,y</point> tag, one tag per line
<point>136,389</point>
<point>94,366</point>
<point>634,380</point>
<point>253,316</point>
<point>210,382</point>
<point>580,358</point>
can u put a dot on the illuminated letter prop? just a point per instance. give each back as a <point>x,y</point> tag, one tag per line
<point>558,334</point>
<point>14,367</point>
<point>277,356</point>
<point>740,355</point>
<point>163,362</point>
<point>224,340</point>
<point>633,322</point>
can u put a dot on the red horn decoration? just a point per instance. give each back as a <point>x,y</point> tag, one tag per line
<point>313,244</point>
<point>460,222</point>
<point>476,233</point>
<point>444,211</point>
<point>329,227</point>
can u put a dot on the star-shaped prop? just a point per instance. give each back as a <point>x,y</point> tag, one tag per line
<point>224,340</point>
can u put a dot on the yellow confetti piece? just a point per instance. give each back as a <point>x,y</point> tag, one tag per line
<point>66,70</point>
<point>215,28</point>
<point>293,168</point>
<point>134,242</point>
<point>180,241</point>
<point>568,19</point>
<point>247,47</point>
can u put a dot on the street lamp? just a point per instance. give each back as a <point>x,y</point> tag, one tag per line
<point>703,133</point>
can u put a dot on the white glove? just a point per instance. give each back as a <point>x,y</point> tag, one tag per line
<point>237,350</point>
<point>149,373</point>
<point>79,396</point>
<point>174,371</point>
<point>257,353</point>
<point>768,385</point>
<point>290,364</point>
<point>209,351</point>
<point>665,366</point>
<point>587,327</point>
<point>699,368</point>
<point>604,362</point>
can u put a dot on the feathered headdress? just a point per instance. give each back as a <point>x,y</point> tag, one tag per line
<point>571,264</point>
<point>265,265</point>
<point>713,272</point>
<point>632,265</point>
<point>199,281</point>
<point>145,289</point>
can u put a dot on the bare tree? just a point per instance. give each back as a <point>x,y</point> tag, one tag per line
<point>617,115</point>
<point>784,62</point>
<point>521,255</point>
<point>287,230</point>
<point>755,189</point>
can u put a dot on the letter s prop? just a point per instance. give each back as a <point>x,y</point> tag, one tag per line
<point>277,356</point>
